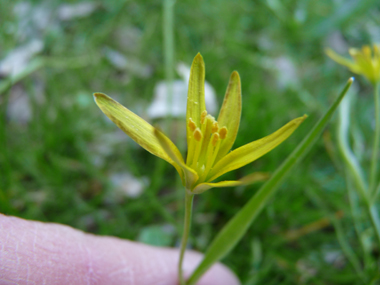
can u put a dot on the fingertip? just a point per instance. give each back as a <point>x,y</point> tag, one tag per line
<point>58,254</point>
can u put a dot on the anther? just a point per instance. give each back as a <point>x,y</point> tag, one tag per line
<point>192,125</point>
<point>215,127</point>
<point>203,116</point>
<point>197,134</point>
<point>223,133</point>
<point>215,138</point>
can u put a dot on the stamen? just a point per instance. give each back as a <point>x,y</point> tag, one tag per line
<point>376,49</point>
<point>215,138</point>
<point>223,133</point>
<point>203,116</point>
<point>215,127</point>
<point>212,151</point>
<point>376,53</point>
<point>198,145</point>
<point>191,146</point>
<point>192,125</point>
<point>206,132</point>
<point>366,51</point>
<point>197,134</point>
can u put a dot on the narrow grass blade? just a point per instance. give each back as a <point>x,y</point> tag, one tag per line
<point>30,68</point>
<point>341,237</point>
<point>375,220</point>
<point>238,225</point>
<point>350,159</point>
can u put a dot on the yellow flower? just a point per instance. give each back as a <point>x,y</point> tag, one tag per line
<point>364,61</point>
<point>209,141</point>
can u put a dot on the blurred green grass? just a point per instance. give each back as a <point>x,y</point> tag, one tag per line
<point>56,166</point>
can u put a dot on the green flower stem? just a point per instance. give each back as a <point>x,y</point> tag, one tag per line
<point>230,235</point>
<point>376,142</point>
<point>186,231</point>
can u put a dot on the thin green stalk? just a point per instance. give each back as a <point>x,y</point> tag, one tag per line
<point>354,213</point>
<point>168,35</point>
<point>350,160</point>
<point>234,230</point>
<point>40,62</point>
<point>354,166</point>
<point>376,142</point>
<point>32,67</point>
<point>152,196</point>
<point>343,242</point>
<point>169,58</point>
<point>186,231</point>
<point>168,27</point>
<point>377,192</point>
<point>374,216</point>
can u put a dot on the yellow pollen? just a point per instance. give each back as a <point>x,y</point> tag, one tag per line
<point>223,133</point>
<point>215,138</point>
<point>197,135</point>
<point>203,116</point>
<point>215,127</point>
<point>192,125</point>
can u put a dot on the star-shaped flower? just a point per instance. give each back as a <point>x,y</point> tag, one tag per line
<point>365,61</point>
<point>209,141</point>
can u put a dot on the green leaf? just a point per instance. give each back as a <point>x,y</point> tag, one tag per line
<point>230,235</point>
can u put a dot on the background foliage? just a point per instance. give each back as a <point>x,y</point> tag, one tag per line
<point>61,160</point>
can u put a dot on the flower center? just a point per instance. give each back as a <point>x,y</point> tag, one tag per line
<point>204,144</point>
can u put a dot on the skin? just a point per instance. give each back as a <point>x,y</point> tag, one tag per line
<point>44,253</point>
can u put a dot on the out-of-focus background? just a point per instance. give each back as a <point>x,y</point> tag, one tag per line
<point>62,160</point>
